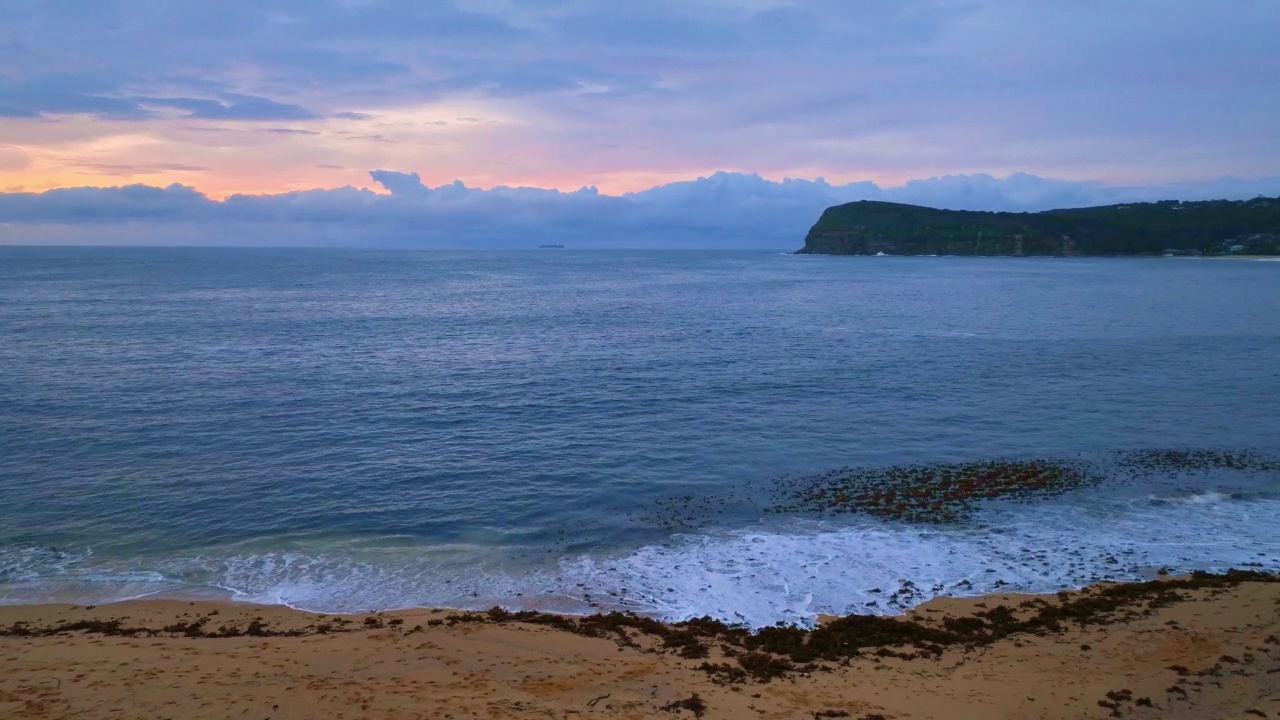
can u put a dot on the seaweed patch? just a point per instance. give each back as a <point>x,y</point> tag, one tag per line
<point>943,493</point>
<point>930,493</point>
<point>782,651</point>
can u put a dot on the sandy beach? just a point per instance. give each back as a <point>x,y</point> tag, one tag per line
<point>1190,649</point>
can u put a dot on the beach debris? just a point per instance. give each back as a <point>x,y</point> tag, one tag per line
<point>693,704</point>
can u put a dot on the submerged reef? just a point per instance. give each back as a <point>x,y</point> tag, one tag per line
<point>1189,461</point>
<point>934,493</point>
<point>946,493</point>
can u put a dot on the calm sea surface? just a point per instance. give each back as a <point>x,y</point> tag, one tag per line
<point>346,430</point>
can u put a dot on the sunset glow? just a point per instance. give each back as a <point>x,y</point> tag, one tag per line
<point>271,99</point>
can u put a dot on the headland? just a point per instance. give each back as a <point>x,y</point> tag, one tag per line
<point>1172,228</point>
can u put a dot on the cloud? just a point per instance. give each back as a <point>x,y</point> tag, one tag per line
<point>1134,93</point>
<point>231,107</point>
<point>43,96</point>
<point>371,138</point>
<point>398,183</point>
<point>723,210</point>
<point>128,170</point>
<point>77,206</point>
<point>13,159</point>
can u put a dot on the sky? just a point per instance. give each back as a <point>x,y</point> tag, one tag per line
<point>664,121</point>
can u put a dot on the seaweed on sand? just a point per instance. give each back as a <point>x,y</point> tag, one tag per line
<point>693,704</point>
<point>770,652</point>
<point>197,628</point>
<point>785,650</point>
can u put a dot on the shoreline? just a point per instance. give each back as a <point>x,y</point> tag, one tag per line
<point>899,600</point>
<point>1147,256</point>
<point>1200,645</point>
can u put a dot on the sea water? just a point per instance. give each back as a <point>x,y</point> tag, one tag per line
<point>344,430</point>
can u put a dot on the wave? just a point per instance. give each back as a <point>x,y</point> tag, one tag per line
<point>26,562</point>
<point>787,572</point>
<point>760,577</point>
<point>32,574</point>
<point>1210,497</point>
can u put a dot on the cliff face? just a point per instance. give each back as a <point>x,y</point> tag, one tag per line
<point>870,227</point>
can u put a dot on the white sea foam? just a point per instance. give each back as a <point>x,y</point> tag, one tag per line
<point>347,582</point>
<point>1204,498</point>
<point>24,563</point>
<point>38,574</point>
<point>792,573</point>
<point>758,576</point>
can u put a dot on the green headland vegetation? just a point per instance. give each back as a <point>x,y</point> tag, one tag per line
<point>1170,227</point>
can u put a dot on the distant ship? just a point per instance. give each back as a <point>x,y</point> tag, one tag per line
<point>557,247</point>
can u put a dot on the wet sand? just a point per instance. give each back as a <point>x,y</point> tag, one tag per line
<point>1214,653</point>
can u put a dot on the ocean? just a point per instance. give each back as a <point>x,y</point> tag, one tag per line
<point>348,430</point>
